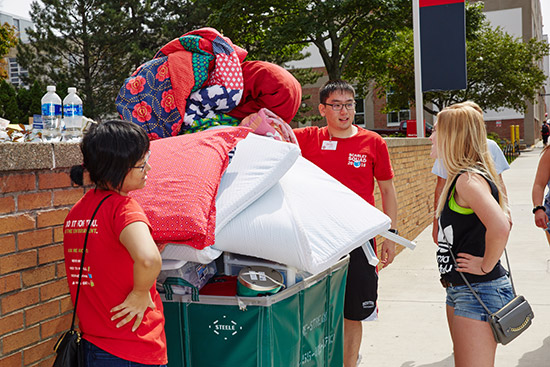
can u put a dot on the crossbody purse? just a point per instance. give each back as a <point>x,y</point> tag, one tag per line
<point>512,319</point>
<point>68,347</point>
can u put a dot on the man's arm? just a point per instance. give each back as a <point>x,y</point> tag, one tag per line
<point>439,185</point>
<point>389,206</point>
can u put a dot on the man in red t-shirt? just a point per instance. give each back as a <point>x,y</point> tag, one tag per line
<point>355,157</point>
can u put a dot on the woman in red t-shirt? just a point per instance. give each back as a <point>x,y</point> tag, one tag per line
<point>119,310</point>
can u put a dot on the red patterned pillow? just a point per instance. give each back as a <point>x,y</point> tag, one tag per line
<point>180,196</point>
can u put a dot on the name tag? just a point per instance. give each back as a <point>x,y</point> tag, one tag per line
<point>329,145</point>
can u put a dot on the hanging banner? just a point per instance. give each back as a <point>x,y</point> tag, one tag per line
<point>443,44</point>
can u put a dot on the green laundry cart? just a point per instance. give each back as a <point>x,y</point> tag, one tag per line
<point>299,326</point>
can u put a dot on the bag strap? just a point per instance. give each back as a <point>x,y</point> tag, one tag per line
<point>468,283</point>
<point>82,260</point>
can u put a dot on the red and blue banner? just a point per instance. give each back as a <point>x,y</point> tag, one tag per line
<point>443,44</point>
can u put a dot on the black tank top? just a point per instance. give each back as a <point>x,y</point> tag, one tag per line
<point>461,231</point>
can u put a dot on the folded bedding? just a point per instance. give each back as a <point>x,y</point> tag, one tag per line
<point>267,85</point>
<point>188,253</point>
<point>257,164</point>
<point>308,220</point>
<point>196,76</point>
<point>180,195</point>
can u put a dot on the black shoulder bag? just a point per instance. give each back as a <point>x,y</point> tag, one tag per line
<point>512,319</point>
<point>68,347</point>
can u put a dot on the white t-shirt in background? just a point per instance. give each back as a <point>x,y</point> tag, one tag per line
<point>501,164</point>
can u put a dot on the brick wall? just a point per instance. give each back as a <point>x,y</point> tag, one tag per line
<point>34,302</point>
<point>36,195</point>
<point>414,184</point>
<point>503,129</point>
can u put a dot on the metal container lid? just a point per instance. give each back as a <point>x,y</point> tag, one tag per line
<point>260,278</point>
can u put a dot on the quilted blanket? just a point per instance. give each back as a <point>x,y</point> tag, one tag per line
<point>196,76</point>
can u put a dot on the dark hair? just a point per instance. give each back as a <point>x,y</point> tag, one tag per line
<point>332,86</point>
<point>110,150</point>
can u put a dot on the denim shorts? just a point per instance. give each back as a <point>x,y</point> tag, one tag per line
<point>547,210</point>
<point>97,357</point>
<point>494,293</point>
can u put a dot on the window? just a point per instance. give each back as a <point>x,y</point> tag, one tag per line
<point>395,117</point>
<point>16,72</point>
<point>359,112</point>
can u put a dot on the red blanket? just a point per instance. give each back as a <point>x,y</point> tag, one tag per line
<point>270,86</point>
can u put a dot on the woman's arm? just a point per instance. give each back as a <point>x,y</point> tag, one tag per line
<point>473,191</point>
<point>439,185</point>
<point>147,262</point>
<point>537,193</point>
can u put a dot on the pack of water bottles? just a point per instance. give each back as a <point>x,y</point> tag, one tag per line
<point>60,121</point>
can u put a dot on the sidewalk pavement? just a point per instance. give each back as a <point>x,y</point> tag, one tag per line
<point>412,327</point>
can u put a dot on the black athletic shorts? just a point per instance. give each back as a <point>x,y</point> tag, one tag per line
<point>361,287</point>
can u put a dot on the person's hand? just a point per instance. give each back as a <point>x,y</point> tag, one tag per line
<point>135,305</point>
<point>470,264</point>
<point>388,253</point>
<point>541,219</point>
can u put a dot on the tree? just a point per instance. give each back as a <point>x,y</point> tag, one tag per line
<point>8,40</point>
<point>8,101</point>
<point>92,45</point>
<point>503,71</point>
<point>28,101</point>
<point>305,76</point>
<point>17,104</point>
<point>282,28</point>
<point>173,18</point>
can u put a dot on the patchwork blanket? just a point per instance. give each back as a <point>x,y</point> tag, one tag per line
<point>197,76</point>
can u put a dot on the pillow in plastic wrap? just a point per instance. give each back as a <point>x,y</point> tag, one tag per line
<point>258,164</point>
<point>308,220</point>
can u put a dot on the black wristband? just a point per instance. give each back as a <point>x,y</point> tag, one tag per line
<point>393,230</point>
<point>538,207</point>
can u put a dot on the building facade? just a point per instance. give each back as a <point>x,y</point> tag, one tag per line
<point>523,19</point>
<point>15,71</point>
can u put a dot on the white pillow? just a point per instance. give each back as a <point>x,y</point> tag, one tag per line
<point>259,162</point>
<point>188,253</point>
<point>308,220</point>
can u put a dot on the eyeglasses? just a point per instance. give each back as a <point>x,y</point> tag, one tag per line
<point>142,167</point>
<point>338,106</point>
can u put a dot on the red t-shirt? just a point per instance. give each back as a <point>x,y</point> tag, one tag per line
<point>108,278</point>
<point>355,161</point>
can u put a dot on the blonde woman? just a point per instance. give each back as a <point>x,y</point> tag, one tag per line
<point>541,203</point>
<point>474,225</point>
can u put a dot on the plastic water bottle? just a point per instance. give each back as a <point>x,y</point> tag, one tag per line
<point>72,115</point>
<point>37,128</point>
<point>51,115</point>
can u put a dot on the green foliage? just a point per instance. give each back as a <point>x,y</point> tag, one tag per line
<point>92,45</point>
<point>173,18</point>
<point>8,40</point>
<point>305,76</point>
<point>503,71</point>
<point>277,30</point>
<point>8,101</point>
<point>18,104</point>
<point>496,138</point>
